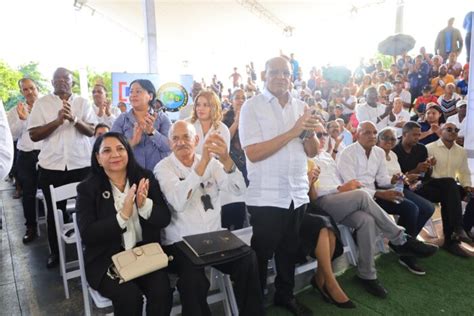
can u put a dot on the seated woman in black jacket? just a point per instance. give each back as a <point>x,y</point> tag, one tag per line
<point>120,206</point>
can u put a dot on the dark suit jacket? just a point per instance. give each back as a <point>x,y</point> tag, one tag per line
<point>100,231</point>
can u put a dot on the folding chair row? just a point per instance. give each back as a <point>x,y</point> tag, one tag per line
<point>222,281</point>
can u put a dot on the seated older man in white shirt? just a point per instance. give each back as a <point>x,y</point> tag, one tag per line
<point>365,162</point>
<point>185,178</point>
<point>357,209</point>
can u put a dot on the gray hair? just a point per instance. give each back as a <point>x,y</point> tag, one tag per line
<point>191,129</point>
<point>384,130</point>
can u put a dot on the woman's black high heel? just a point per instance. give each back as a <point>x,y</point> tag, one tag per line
<point>325,297</point>
<point>346,304</point>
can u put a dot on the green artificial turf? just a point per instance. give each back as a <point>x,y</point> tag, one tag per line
<point>446,289</point>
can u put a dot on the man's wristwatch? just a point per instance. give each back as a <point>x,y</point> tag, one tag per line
<point>152,133</point>
<point>76,119</point>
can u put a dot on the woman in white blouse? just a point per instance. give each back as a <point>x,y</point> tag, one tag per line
<point>207,118</point>
<point>120,206</point>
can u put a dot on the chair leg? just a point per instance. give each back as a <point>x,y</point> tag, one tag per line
<point>223,289</point>
<point>348,242</point>
<point>230,295</point>
<point>62,265</point>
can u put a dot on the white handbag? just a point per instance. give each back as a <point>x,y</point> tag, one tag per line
<point>136,262</point>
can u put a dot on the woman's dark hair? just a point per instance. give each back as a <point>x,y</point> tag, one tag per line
<point>134,170</point>
<point>149,87</point>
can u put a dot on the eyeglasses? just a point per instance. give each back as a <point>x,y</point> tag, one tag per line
<point>320,135</point>
<point>452,130</point>
<point>388,139</point>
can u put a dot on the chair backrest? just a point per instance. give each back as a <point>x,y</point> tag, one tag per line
<point>64,192</point>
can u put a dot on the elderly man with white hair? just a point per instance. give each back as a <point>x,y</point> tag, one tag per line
<point>191,184</point>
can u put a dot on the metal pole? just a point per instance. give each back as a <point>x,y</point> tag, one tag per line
<point>150,30</point>
<point>399,18</point>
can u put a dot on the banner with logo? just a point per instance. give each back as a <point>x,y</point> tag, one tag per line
<point>174,94</point>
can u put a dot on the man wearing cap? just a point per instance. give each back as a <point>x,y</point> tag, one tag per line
<point>459,120</point>
<point>451,162</point>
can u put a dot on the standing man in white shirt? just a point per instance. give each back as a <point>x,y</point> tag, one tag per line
<point>192,184</point>
<point>373,111</point>
<point>64,122</point>
<point>102,106</point>
<point>28,152</point>
<point>6,144</point>
<point>277,133</point>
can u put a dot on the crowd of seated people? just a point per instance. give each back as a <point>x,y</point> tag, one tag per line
<point>292,158</point>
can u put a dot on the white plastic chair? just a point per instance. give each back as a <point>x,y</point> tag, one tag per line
<point>59,194</point>
<point>40,220</point>
<point>99,300</point>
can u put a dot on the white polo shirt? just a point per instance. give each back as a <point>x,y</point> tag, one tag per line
<point>66,147</point>
<point>281,178</point>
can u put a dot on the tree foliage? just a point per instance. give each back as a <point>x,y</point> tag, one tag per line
<point>10,92</point>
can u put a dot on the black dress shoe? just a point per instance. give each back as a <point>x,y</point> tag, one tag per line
<point>30,235</point>
<point>374,287</point>
<point>53,260</point>
<point>460,235</point>
<point>294,307</point>
<point>346,304</point>
<point>456,249</point>
<point>414,247</point>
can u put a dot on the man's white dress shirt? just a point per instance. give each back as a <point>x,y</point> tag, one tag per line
<point>183,188</point>
<point>281,178</point>
<point>354,164</point>
<point>66,147</point>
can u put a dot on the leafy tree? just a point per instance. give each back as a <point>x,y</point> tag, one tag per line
<point>9,84</point>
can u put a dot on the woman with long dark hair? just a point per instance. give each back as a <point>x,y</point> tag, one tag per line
<point>120,206</point>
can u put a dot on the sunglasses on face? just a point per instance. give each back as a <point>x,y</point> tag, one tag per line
<point>452,130</point>
<point>321,135</point>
